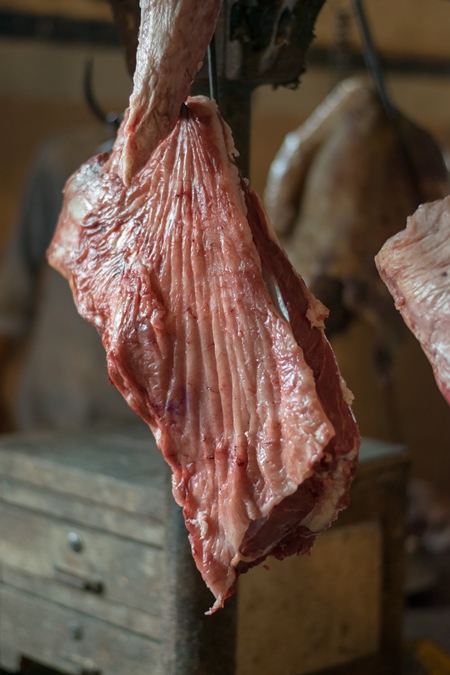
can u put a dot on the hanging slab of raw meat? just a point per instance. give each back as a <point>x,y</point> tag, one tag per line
<point>415,266</point>
<point>214,340</point>
<point>173,38</point>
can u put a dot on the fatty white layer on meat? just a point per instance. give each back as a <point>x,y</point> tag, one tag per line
<point>415,266</point>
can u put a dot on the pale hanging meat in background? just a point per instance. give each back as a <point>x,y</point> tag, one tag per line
<point>415,266</point>
<point>173,38</point>
<point>338,188</point>
<point>214,340</point>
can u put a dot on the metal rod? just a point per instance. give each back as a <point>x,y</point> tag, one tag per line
<point>235,108</point>
<point>372,59</point>
<point>212,71</point>
<point>193,644</point>
<point>375,67</point>
<point>319,57</point>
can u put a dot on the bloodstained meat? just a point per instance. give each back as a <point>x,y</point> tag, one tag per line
<point>214,340</point>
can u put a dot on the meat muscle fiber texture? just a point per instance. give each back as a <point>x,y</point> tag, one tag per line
<point>173,38</point>
<point>415,266</point>
<point>214,340</point>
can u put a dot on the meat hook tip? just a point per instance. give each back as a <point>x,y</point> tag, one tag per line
<point>184,111</point>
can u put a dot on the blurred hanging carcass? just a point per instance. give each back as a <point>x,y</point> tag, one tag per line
<point>340,185</point>
<point>62,381</point>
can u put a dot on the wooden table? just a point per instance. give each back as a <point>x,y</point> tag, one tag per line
<point>97,576</point>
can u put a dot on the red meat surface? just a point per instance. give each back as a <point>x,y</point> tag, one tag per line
<point>214,340</point>
<point>415,266</point>
<point>173,38</point>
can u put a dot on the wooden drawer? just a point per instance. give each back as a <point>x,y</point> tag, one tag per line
<point>70,641</point>
<point>129,618</point>
<point>138,526</point>
<point>113,568</point>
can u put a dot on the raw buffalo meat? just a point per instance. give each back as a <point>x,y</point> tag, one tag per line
<point>214,340</point>
<point>173,38</point>
<point>415,266</point>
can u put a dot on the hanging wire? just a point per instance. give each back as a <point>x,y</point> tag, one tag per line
<point>212,71</point>
<point>373,60</point>
<point>375,67</point>
<point>340,53</point>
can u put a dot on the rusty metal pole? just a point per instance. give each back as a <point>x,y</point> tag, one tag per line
<point>235,106</point>
<point>194,644</point>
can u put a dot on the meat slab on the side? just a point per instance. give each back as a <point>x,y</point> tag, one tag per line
<point>173,38</point>
<point>214,340</point>
<point>415,266</point>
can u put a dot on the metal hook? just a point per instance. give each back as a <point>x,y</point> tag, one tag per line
<point>184,111</point>
<point>113,119</point>
<point>341,50</point>
<point>372,59</point>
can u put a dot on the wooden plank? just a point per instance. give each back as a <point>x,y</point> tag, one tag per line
<point>70,641</point>
<point>339,611</point>
<point>130,573</point>
<point>96,606</point>
<point>123,454</point>
<point>377,457</point>
<point>410,27</point>
<point>307,613</point>
<point>105,467</point>
<point>91,10</point>
<point>99,488</point>
<point>136,526</point>
<point>404,27</point>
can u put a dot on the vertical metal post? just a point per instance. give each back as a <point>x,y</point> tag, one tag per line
<point>194,644</point>
<point>235,107</point>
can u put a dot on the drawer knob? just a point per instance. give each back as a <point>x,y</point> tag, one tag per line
<point>75,542</point>
<point>81,580</point>
<point>76,629</point>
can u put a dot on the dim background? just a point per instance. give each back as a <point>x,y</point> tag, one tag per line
<point>41,94</point>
